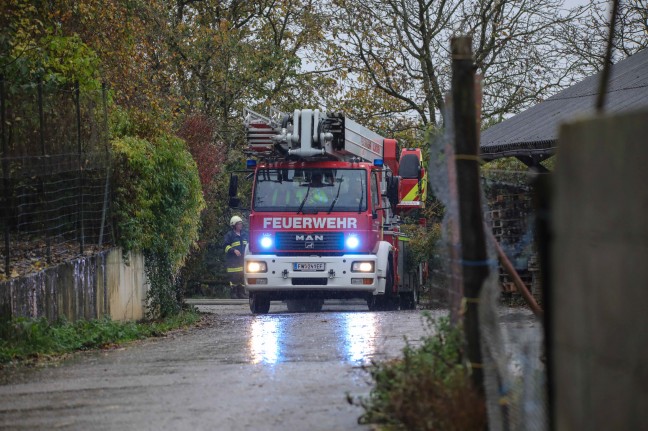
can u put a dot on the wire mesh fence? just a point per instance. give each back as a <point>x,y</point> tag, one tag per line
<point>512,337</point>
<point>55,175</point>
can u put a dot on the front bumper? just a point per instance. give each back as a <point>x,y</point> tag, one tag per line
<point>282,276</point>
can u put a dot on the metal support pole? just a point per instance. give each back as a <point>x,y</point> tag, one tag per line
<point>41,117</point>
<point>5,174</point>
<point>106,187</point>
<point>80,155</point>
<point>41,182</point>
<point>474,258</point>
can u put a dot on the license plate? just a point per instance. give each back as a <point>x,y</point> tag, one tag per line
<point>307,266</point>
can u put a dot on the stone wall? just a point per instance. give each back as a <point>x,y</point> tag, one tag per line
<point>105,284</point>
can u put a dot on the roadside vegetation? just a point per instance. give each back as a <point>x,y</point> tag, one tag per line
<point>30,340</point>
<point>429,388</point>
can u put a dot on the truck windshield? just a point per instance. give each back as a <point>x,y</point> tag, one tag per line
<point>310,190</point>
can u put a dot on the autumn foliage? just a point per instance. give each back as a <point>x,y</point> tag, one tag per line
<point>198,133</point>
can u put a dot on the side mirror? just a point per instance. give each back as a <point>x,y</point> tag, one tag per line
<point>234,202</point>
<point>233,186</point>
<point>392,190</point>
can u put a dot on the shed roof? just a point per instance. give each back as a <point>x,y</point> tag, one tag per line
<point>534,132</point>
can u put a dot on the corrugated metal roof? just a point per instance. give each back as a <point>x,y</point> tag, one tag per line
<point>535,131</point>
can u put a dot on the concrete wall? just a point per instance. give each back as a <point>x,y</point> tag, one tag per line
<point>105,284</point>
<point>126,286</point>
<point>600,282</point>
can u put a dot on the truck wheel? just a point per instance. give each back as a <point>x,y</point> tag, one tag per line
<point>408,300</point>
<point>383,303</point>
<point>388,301</point>
<point>375,303</point>
<point>391,300</point>
<point>259,303</point>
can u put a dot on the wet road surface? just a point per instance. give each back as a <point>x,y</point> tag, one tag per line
<point>280,371</point>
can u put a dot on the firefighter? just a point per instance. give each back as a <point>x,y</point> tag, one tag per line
<point>234,245</point>
<point>317,194</point>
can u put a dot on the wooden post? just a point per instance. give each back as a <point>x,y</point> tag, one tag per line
<point>455,286</point>
<point>474,258</point>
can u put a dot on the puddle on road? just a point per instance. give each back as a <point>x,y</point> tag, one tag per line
<point>350,337</point>
<point>266,333</point>
<point>359,337</point>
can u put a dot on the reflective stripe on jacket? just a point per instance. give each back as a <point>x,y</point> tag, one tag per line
<point>233,242</point>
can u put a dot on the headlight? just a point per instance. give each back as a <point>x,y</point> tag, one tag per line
<point>256,267</point>
<point>362,267</point>
<point>266,241</point>
<point>352,241</point>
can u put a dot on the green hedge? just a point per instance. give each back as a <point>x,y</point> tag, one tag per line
<point>157,205</point>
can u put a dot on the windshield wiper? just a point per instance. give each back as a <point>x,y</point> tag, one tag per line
<point>361,199</point>
<point>337,195</point>
<point>301,205</point>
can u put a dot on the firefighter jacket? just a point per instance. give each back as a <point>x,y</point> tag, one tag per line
<point>316,196</point>
<point>233,242</point>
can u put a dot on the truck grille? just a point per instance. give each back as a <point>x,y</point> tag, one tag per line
<point>309,241</point>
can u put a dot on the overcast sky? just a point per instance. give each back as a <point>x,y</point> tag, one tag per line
<point>572,3</point>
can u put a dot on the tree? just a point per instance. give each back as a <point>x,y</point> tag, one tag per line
<point>586,38</point>
<point>397,51</point>
<point>33,49</point>
<point>226,55</point>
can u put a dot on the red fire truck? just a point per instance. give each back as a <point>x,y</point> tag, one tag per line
<point>327,199</point>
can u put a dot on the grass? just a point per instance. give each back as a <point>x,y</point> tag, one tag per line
<point>429,388</point>
<point>24,340</point>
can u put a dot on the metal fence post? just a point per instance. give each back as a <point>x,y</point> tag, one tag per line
<point>41,182</point>
<point>5,174</point>
<point>106,187</point>
<point>80,155</point>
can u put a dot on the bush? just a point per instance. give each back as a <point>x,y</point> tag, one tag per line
<point>428,389</point>
<point>157,206</point>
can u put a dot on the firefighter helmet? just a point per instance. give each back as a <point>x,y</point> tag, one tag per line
<point>234,220</point>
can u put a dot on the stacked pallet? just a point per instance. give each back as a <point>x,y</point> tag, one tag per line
<point>510,212</point>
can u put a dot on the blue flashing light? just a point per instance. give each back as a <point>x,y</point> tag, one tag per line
<point>250,163</point>
<point>379,163</point>
<point>266,241</point>
<point>352,242</point>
